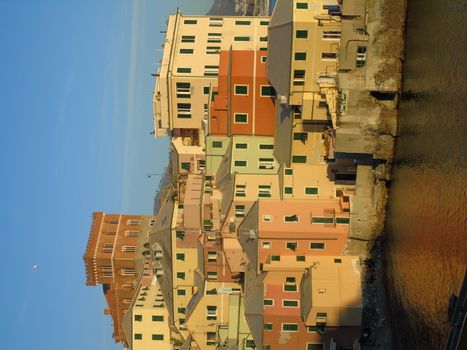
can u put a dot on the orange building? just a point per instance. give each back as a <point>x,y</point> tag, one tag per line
<point>110,260</point>
<point>243,102</point>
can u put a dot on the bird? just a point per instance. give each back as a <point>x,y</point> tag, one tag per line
<point>35,266</point>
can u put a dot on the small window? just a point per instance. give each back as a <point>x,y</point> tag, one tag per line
<point>290,327</point>
<point>157,318</point>
<point>157,337</point>
<point>188,38</point>
<point>241,90</point>
<point>206,90</point>
<point>268,302</point>
<point>301,34</point>
<point>337,261</point>
<point>266,245</point>
<point>264,23</point>
<point>242,38</point>
<point>217,144</point>
<point>262,146</point>
<point>288,171</point>
<point>190,21</point>
<point>342,221</point>
<point>322,220</point>
<point>183,70</point>
<point>241,118</point>
<point>317,245</point>
<point>300,56</point>
<point>311,190</point>
<point>212,256</point>
<point>268,327</point>
<point>288,190</point>
<point>291,218</point>
<point>213,50</point>
<point>138,318</point>
<point>242,23</point>
<point>289,303</point>
<point>181,292</point>
<point>291,245</point>
<point>298,159</point>
<point>211,71</point>
<point>275,258</point>
<point>181,310</point>
<point>239,211</point>
<point>241,146</point>
<point>181,275</point>
<point>267,91</point>
<point>263,38</point>
<point>299,74</point>
<point>329,55</point>
<point>180,234</point>
<point>131,233</point>
<point>138,336</point>
<point>186,51</point>
<point>267,218</point>
<point>300,257</point>
<point>128,249</point>
<point>301,5</point>
<point>181,256</point>
<point>211,275</point>
<point>241,163</point>
<point>264,59</point>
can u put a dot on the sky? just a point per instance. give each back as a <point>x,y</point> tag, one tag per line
<point>76,116</point>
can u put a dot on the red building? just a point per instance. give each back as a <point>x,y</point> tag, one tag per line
<point>243,102</point>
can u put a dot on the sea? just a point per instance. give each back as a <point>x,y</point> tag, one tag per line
<point>425,238</point>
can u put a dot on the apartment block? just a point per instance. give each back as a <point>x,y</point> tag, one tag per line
<point>190,65</point>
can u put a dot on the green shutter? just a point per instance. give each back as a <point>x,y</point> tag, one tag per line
<point>217,144</point>
<point>242,38</point>
<point>242,23</point>
<point>183,70</point>
<point>322,220</point>
<point>317,245</point>
<point>241,89</point>
<point>240,163</point>
<point>186,51</point>
<point>300,56</point>
<point>268,90</point>
<point>241,118</point>
<point>302,5</point>
<point>157,318</point>
<point>301,34</point>
<point>190,21</point>
<point>288,190</point>
<point>288,171</point>
<point>298,159</point>
<point>311,190</point>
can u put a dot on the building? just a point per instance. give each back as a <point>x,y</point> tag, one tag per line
<point>190,66</point>
<point>110,260</point>
<point>243,102</point>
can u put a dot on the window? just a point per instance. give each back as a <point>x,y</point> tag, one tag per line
<point>267,218</point>
<point>322,220</point>
<point>181,310</point>
<point>268,326</point>
<point>185,166</point>
<point>211,313</point>
<point>289,327</point>
<point>266,163</point>
<point>240,163</point>
<point>157,337</point>
<point>263,146</point>
<point>212,50</point>
<point>264,59</point>
<point>311,190</point>
<point>190,21</point>
<point>217,144</point>
<point>138,336</point>
<point>290,284</point>
<point>263,38</point>
<point>183,70</point>
<point>268,302</point>
<point>133,222</point>
<point>300,257</point>
<point>301,34</point>
<point>212,256</point>
<point>181,275</point>
<point>301,5</point>
<point>288,190</point>
<point>267,91</point>
<point>291,245</point>
<point>183,90</point>
<point>138,318</point>
<point>211,71</point>
<point>186,51</point>
<point>331,34</point>
<point>206,90</point>
<point>328,55</point>
<point>184,110</point>
<point>241,146</point>
<point>241,89</point>
<point>300,136</point>
<point>317,245</point>
<point>299,77</point>
<point>250,343</point>
<point>264,23</point>
<point>131,233</point>
<point>314,346</point>
<point>157,318</point>
<point>181,292</point>
<point>108,248</point>
<point>289,303</point>
<point>242,23</point>
<point>275,258</point>
<point>113,221</point>
<point>300,56</point>
<point>263,49</point>
<point>239,211</point>
<point>180,234</point>
<point>216,22</point>
<point>297,115</point>
<point>188,38</point>
<point>264,191</point>
<point>341,221</point>
<point>181,256</point>
<point>128,249</point>
<point>298,159</point>
<point>111,232</point>
<point>241,118</point>
<point>291,218</point>
<point>337,261</point>
<point>288,171</point>
<point>240,190</point>
<point>212,275</point>
<point>361,56</point>
<point>266,245</point>
<point>242,38</point>
<point>214,37</point>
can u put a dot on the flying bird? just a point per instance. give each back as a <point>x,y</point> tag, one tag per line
<point>35,266</point>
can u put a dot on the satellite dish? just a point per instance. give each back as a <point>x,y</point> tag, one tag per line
<point>35,266</point>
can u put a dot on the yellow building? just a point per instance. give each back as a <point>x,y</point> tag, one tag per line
<point>190,66</point>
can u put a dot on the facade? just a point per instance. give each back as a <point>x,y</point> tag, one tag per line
<point>243,102</point>
<point>190,66</point>
<point>110,260</point>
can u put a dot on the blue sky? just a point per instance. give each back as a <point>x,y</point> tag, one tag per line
<point>76,98</point>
